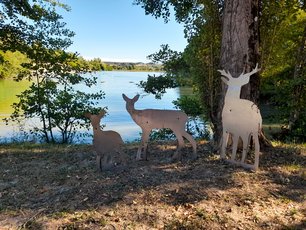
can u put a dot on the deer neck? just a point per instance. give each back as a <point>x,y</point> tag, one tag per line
<point>233,92</point>
<point>96,131</point>
<point>135,114</point>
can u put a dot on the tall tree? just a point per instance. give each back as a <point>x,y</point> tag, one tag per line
<point>225,34</point>
<point>239,48</point>
<point>37,30</point>
<point>239,43</point>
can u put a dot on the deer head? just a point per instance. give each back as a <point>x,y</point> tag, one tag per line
<point>130,102</point>
<point>243,78</point>
<point>95,119</point>
<point>235,84</point>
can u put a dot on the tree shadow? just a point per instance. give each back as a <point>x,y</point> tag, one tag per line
<point>286,167</point>
<point>65,179</point>
<point>68,179</point>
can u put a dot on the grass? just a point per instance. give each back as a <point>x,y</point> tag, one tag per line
<point>59,187</point>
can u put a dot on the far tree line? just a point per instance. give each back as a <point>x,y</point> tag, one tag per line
<point>12,64</point>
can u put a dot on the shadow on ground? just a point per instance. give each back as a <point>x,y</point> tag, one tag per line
<point>56,179</point>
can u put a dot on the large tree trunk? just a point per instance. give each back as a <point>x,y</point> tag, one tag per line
<point>239,49</point>
<point>240,42</point>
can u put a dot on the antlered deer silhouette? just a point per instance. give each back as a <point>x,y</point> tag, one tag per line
<point>149,119</point>
<point>106,143</point>
<point>240,118</point>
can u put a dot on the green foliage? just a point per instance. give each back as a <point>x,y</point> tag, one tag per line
<point>19,20</point>
<point>11,63</point>
<point>193,107</point>
<point>96,64</point>
<point>161,134</point>
<point>157,85</point>
<point>287,94</point>
<point>134,66</point>
<point>283,55</point>
<point>51,99</point>
<point>281,31</point>
<point>172,61</point>
<point>203,55</point>
<point>176,72</point>
<point>197,65</point>
<point>281,28</point>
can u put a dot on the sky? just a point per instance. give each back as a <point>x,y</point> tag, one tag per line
<point>117,30</point>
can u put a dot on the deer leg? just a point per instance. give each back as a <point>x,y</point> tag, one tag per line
<point>234,147</point>
<point>246,142</point>
<point>110,159</point>
<point>138,156</point>
<point>177,155</point>
<point>98,160</point>
<point>257,151</point>
<point>192,142</point>
<point>123,157</point>
<point>139,151</point>
<point>107,162</point>
<point>225,137</point>
<point>144,145</point>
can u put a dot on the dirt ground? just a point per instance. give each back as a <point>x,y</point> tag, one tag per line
<point>59,187</point>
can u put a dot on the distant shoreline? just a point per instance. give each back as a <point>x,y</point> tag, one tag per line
<point>134,66</point>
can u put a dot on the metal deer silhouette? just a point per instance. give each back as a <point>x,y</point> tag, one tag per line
<point>149,119</point>
<point>106,143</point>
<point>240,118</point>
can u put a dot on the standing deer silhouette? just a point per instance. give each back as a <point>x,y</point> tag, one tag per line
<point>149,119</point>
<point>240,118</point>
<point>106,143</point>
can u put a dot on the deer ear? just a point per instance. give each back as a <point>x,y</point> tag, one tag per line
<point>125,97</point>
<point>136,98</point>
<point>102,113</point>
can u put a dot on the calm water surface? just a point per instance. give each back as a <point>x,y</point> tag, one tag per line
<point>113,83</point>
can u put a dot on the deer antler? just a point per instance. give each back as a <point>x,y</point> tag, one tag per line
<point>255,70</point>
<point>226,74</point>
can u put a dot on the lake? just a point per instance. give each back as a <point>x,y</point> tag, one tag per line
<point>113,83</point>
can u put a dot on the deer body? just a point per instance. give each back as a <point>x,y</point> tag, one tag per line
<point>240,118</point>
<point>106,143</point>
<point>149,119</point>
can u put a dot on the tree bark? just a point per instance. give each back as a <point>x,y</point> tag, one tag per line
<point>240,42</point>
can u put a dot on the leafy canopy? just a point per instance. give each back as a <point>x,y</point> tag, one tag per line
<point>35,29</point>
<point>282,25</point>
